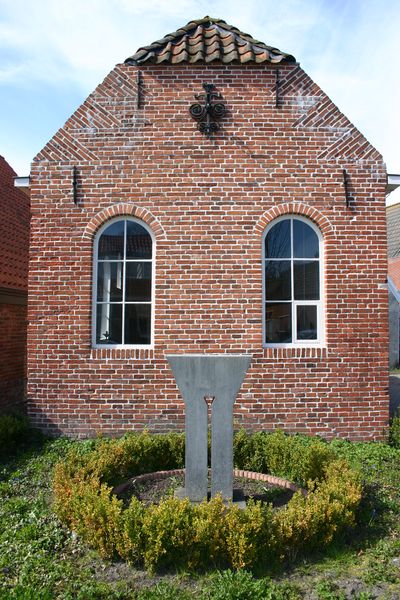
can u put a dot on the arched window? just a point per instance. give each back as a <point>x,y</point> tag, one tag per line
<point>123,291</point>
<point>292,286</point>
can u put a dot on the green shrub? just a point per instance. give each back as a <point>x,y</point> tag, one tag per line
<point>177,533</point>
<point>13,430</point>
<point>115,460</point>
<point>312,521</point>
<point>130,543</point>
<point>168,533</point>
<point>93,512</point>
<point>211,532</point>
<point>394,431</point>
<point>250,534</point>
<point>297,458</point>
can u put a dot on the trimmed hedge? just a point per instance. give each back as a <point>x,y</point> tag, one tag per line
<point>176,533</point>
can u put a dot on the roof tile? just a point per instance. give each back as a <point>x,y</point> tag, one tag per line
<point>207,40</point>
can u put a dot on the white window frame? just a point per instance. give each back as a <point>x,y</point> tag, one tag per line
<point>320,304</point>
<point>125,219</point>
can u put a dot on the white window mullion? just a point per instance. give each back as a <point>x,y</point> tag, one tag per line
<point>105,315</point>
<point>123,286</point>
<point>294,316</point>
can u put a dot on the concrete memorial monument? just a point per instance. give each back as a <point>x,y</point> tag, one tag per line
<point>209,380</point>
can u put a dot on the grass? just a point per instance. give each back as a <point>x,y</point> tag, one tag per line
<point>42,560</point>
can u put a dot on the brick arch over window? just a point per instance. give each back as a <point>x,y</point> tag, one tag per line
<point>124,210</point>
<point>296,208</point>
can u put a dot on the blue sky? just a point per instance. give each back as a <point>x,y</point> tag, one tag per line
<point>54,53</point>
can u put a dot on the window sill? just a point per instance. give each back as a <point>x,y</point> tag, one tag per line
<point>295,351</point>
<point>138,352</point>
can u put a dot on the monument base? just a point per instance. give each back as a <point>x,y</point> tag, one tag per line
<point>237,498</point>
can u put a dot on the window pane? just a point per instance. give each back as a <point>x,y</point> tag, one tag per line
<point>278,323</point>
<point>305,241</point>
<point>138,281</point>
<point>111,242</point>
<point>138,243</point>
<point>307,323</point>
<point>306,280</point>
<point>277,241</point>
<point>137,323</point>
<point>277,280</point>
<point>109,282</point>
<point>109,324</point>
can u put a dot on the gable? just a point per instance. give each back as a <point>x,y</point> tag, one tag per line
<point>117,114</point>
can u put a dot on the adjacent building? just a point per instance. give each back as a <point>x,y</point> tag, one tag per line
<point>14,243</point>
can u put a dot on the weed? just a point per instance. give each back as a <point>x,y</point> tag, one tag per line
<point>163,591</point>
<point>328,591</point>
<point>241,585</point>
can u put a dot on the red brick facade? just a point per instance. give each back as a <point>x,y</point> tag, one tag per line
<point>208,202</point>
<point>14,243</point>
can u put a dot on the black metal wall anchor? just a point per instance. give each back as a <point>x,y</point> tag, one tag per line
<point>346,189</point>
<point>139,89</point>
<point>278,102</point>
<point>206,115</point>
<point>75,184</point>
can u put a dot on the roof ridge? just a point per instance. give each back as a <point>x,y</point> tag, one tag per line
<point>252,48</point>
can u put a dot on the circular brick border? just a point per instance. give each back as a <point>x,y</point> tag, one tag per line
<point>157,475</point>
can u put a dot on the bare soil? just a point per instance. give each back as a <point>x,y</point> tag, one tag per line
<point>152,491</point>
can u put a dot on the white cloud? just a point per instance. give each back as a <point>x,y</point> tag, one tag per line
<point>347,46</point>
<point>80,41</point>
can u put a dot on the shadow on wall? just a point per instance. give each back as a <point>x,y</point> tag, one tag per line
<point>13,396</point>
<point>40,420</point>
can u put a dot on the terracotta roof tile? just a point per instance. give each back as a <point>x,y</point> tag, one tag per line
<point>207,40</point>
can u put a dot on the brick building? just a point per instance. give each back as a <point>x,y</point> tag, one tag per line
<point>393,237</point>
<point>14,244</point>
<point>254,223</point>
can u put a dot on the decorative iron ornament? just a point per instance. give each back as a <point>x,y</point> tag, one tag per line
<point>206,115</point>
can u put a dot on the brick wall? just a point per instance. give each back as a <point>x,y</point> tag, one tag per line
<point>208,203</point>
<point>14,243</point>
